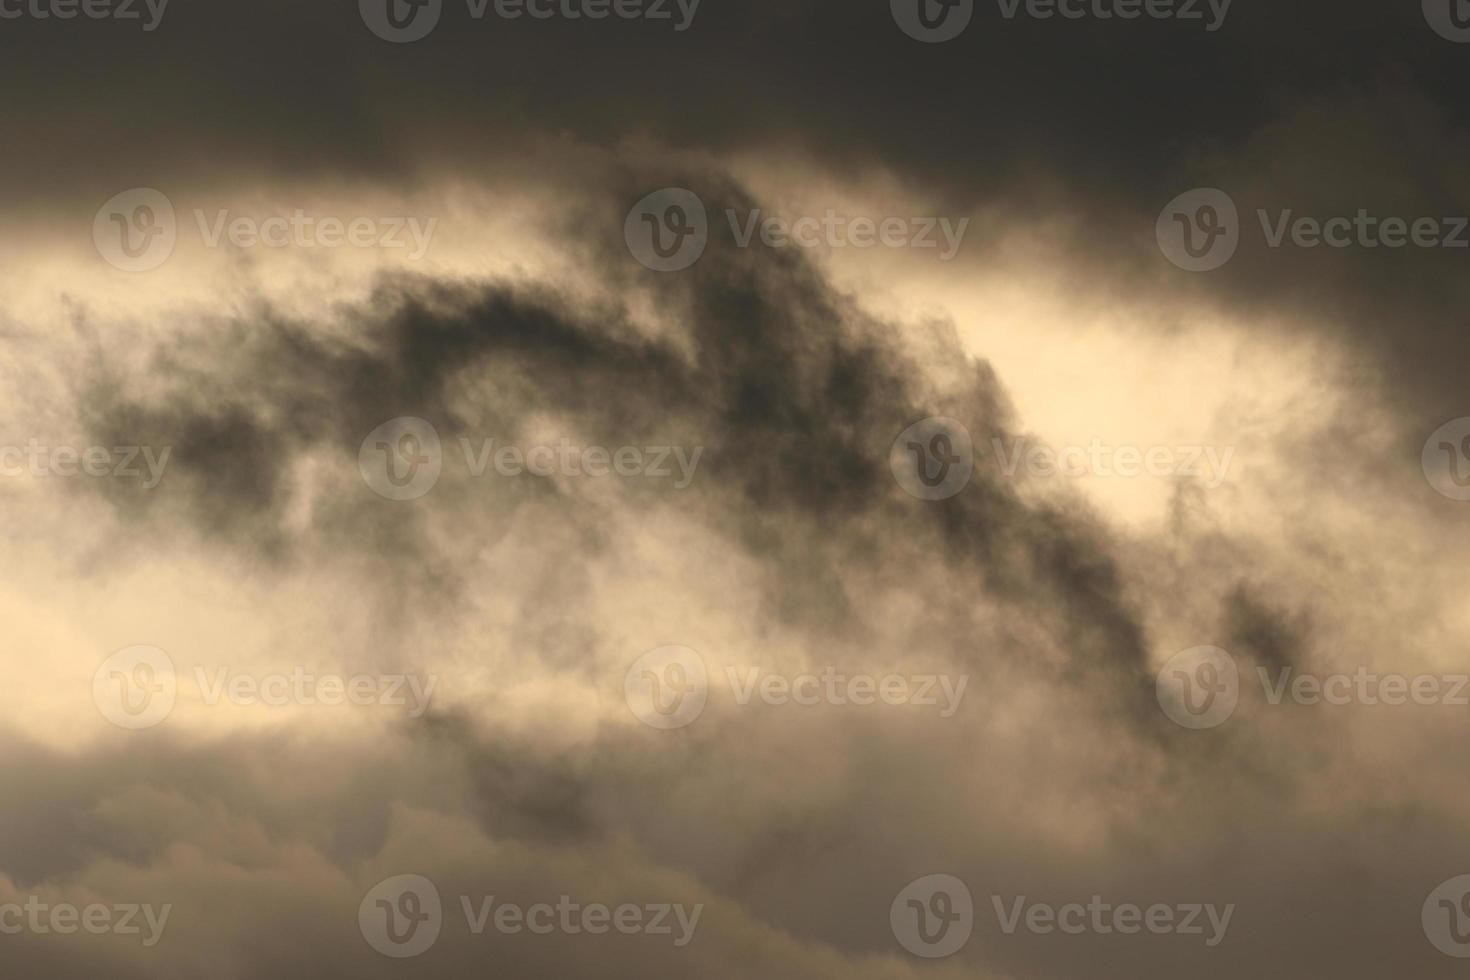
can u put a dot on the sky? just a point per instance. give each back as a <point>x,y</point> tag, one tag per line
<point>657,488</point>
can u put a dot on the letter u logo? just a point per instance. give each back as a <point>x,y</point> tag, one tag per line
<point>676,680</point>
<point>1455,457</point>
<point>941,448</point>
<point>1207,221</point>
<point>401,13</point>
<point>1458,913</point>
<point>932,20</point>
<point>403,921</point>
<point>143,678</point>
<point>410,451</point>
<point>144,220</point>
<point>941,910</point>
<point>676,220</point>
<point>1207,677</point>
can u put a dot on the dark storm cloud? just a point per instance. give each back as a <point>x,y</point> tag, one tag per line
<point>1086,128</point>
<point>1103,110</point>
<point>1062,779</point>
<point>795,394</point>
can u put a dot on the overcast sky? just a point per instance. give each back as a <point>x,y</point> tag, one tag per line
<point>656,488</point>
